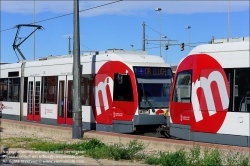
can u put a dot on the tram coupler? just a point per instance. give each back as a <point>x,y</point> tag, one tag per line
<point>164,131</point>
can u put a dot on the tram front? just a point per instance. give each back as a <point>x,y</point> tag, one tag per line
<point>153,89</point>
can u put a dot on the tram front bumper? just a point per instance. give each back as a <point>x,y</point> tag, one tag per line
<point>149,120</point>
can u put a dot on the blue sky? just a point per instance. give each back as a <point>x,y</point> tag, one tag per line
<point>119,25</point>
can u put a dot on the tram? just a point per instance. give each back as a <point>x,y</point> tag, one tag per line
<point>121,91</point>
<point>210,96</point>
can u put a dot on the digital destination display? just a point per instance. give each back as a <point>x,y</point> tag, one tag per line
<point>152,71</point>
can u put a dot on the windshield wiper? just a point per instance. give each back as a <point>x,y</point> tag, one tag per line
<point>145,98</point>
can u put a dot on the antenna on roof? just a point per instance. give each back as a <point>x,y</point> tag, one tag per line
<point>15,45</point>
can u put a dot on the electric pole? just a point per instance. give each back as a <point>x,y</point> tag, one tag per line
<point>34,29</point>
<point>77,109</point>
<point>228,19</point>
<point>69,45</point>
<point>143,36</point>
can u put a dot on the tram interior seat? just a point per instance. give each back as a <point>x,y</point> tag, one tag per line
<point>245,104</point>
<point>248,104</point>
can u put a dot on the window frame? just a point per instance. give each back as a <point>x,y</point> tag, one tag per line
<point>43,96</point>
<point>176,83</point>
<point>126,96</point>
<point>90,78</point>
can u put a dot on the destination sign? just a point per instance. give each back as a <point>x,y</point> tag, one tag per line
<point>152,71</point>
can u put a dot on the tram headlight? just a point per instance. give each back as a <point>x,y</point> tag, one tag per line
<point>144,111</point>
<point>165,112</point>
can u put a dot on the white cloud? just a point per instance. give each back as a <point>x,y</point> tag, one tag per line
<point>123,7</point>
<point>27,7</point>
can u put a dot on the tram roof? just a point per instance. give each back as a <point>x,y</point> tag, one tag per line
<point>134,57</point>
<point>234,54</point>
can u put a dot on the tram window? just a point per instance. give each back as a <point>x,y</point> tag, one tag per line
<point>242,90</point>
<point>13,85</point>
<point>49,89</point>
<point>25,89</point>
<point>123,90</point>
<point>87,85</point>
<point>182,89</point>
<point>229,74</point>
<point>13,74</point>
<point>3,89</point>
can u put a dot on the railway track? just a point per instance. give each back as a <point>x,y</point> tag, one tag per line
<point>160,132</point>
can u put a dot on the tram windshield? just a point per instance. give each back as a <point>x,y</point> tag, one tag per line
<point>153,93</point>
<point>153,87</point>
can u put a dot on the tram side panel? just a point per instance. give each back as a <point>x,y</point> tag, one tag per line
<point>49,99</point>
<point>88,95</point>
<point>10,91</point>
<point>48,76</point>
<point>124,95</point>
<point>96,91</point>
<point>110,103</point>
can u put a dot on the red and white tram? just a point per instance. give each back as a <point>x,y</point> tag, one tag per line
<point>210,97</point>
<point>121,91</point>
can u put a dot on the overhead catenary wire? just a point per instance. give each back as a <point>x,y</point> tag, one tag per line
<point>149,48</point>
<point>205,42</point>
<point>156,31</point>
<point>153,29</point>
<point>169,38</point>
<point>86,47</point>
<point>66,14</point>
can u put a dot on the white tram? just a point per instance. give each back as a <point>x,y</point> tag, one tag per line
<point>121,91</point>
<point>210,98</point>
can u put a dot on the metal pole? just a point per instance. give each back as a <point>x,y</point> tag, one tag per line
<point>189,39</point>
<point>34,29</point>
<point>77,111</point>
<point>167,54</point>
<point>188,28</point>
<point>160,34</point>
<point>228,19</point>
<point>69,46</point>
<point>159,9</point>
<point>143,36</point>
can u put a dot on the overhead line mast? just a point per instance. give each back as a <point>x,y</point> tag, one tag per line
<point>77,108</point>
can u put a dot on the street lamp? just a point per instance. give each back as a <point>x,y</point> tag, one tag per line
<point>159,10</point>
<point>188,27</point>
<point>132,46</point>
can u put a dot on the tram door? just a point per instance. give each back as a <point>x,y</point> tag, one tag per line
<point>34,99</point>
<point>65,100</point>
